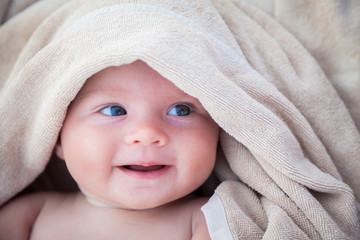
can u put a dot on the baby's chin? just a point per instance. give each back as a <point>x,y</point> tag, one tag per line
<point>144,204</point>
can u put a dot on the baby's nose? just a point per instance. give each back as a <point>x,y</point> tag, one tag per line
<point>147,135</point>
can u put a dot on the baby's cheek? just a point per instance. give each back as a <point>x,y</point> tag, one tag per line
<point>200,152</point>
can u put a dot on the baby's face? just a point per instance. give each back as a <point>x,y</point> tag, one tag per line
<point>133,139</point>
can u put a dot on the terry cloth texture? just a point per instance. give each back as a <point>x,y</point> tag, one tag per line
<point>282,82</point>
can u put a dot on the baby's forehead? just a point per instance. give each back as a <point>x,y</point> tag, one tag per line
<point>135,77</point>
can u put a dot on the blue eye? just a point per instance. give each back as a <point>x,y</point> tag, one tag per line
<point>180,110</point>
<point>113,111</point>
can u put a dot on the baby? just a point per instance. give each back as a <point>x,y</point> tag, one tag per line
<point>137,146</point>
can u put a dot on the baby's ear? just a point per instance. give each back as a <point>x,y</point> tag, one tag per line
<point>59,149</point>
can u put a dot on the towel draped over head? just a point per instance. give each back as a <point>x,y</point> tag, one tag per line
<point>284,88</point>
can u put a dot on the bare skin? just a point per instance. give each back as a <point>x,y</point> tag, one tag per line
<point>70,216</point>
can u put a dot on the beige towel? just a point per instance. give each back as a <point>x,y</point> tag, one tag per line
<point>283,86</point>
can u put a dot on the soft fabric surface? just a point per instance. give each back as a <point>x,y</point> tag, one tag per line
<point>282,82</point>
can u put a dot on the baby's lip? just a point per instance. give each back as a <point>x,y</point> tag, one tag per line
<point>144,171</point>
<point>143,168</point>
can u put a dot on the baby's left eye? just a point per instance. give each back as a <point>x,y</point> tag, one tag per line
<point>113,111</point>
<point>180,110</point>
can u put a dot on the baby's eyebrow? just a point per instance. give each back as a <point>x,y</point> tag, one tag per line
<point>92,97</point>
<point>117,94</point>
<point>97,94</point>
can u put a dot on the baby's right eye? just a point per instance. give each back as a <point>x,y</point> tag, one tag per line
<point>180,110</point>
<point>114,110</point>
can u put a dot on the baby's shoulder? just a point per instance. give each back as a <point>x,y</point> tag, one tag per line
<point>18,216</point>
<point>28,204</point>
<point>198,222</point>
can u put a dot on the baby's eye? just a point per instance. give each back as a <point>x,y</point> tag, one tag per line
<point>180,110</point>
<point>113,111</point>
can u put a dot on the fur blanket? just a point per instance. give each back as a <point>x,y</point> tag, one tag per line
<point>281,79</point>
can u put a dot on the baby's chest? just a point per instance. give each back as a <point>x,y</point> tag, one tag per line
<point>69,226</point>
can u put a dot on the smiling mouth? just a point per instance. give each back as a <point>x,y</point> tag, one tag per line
<point>141,168</point>
<point>147,172</point>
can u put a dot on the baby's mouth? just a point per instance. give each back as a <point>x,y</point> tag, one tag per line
<point>144,171</point>
<point>141,168</point>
